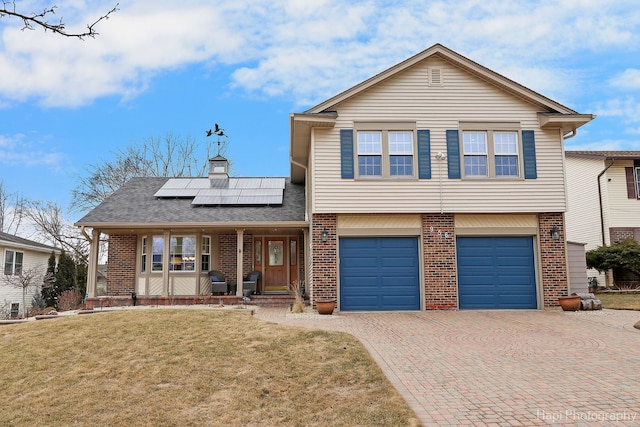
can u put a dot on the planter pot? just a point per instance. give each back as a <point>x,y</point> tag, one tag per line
<point>325,306</point>
<point>570,303</point>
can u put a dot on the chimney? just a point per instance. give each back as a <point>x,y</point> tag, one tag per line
<point>218,168</point>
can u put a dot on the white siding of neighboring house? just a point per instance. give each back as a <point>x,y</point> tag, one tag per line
<point>32,259</point>
<point>582,218</point>
<point>623,212</point>
<point>463,97</point>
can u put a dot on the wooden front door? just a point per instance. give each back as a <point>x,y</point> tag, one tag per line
<point>276,264</point>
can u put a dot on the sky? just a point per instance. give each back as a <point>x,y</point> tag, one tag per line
<point>161,67</point>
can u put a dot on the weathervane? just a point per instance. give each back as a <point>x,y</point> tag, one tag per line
<point>218,131</point>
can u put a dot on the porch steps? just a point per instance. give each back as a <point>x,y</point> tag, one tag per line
<point>283,300</point>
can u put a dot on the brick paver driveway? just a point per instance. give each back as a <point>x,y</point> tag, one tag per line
<point>502,368</point>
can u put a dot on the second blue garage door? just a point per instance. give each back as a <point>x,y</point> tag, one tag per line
<point>496,272</point>
<point>379,273</point>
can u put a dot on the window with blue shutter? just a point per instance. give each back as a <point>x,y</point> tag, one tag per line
<point>424,154</point>
<point>453,154</point>
<point>346,152</point>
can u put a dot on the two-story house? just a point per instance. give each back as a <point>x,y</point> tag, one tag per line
<point>20,257</point>
<point>436,184</point>
<point>604,201</point>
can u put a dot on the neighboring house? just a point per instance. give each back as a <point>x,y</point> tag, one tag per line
<point>604,200</point>
<point>21,255</point>
<point>436,184</point>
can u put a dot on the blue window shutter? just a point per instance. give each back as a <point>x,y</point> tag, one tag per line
<point>424,154</point>
<point>453,154</point>
<point>346,152</point>
<point>529,154</point>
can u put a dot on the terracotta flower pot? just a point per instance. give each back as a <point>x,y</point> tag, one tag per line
<point>570,303</point>
<point>325,306</point>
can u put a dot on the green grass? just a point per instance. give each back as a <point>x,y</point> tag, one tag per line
<point>620,301</point>
<point>189,367</point>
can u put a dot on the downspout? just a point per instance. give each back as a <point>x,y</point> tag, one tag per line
<point>600,201</point>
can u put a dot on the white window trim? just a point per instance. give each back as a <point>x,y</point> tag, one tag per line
<point>13,264</point>
<point>384,128</point>
<point>489,128</point>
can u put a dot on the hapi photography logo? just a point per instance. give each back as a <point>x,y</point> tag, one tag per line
<point>588,416</point>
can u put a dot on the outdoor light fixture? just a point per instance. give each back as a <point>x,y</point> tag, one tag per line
<point>555,233</point>
<point>324,235</point>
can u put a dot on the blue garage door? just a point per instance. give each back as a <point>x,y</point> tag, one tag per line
<point>496,272</point>
<point>379,273</point>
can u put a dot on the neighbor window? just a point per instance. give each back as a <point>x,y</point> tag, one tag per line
<point>385,150</point>
<point>13,262</point>
<point>638,182</point>
<point>490,153</point>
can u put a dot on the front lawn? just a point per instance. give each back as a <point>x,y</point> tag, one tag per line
<point>170,367</point>
<point>620,301</point>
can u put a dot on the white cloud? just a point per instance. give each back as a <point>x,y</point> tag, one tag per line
<point>19,150</point>
<point>627,108</point>
<point>306,51</point>
<point>628,79</point>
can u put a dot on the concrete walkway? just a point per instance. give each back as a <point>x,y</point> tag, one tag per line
<point>502,368</point>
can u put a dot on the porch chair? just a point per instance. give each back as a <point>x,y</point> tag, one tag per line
<point>218,282</point>
<point>251,281</point>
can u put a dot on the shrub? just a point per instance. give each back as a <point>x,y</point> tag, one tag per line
<point>69,300</point>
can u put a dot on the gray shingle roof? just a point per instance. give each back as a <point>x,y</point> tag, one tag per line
<point>134,203</point>
<point>604,154</point>
<point>10,238</point>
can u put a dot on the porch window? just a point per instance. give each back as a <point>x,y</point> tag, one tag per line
<point>143,255</point>
<point>205,257</point>
<point>158,248</point>
<point>182,250</point>
<point>13,262</point>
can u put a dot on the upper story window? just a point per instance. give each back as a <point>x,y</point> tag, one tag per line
<point>491,153</point>
<point>13,262</point>
<point>637,182</point>
<point>385,150</point>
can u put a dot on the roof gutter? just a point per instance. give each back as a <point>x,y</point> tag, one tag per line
<point>600,200</point>
<point>570,135</point>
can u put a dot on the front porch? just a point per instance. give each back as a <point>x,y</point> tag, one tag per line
<point>107,301</point>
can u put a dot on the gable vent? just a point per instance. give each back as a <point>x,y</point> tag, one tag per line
<point>435,76</point>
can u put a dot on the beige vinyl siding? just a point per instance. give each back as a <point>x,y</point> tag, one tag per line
<point>31,260</point>
<point>463,97</point>
<point>623,212</point>
<point>577,268</point>
<point>582,219</point>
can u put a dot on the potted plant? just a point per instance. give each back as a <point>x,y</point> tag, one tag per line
<point>570,303</point>
<point>325,305</point>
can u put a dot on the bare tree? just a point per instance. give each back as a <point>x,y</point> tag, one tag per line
<point>41,19</point>
<point>12,210</point>
<point>25,279</point>
<point>49,223</point>
<point>170,156</point>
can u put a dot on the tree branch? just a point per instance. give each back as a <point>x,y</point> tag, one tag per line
<point>33,20</point>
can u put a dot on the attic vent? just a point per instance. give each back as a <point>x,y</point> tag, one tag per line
<point>435,76</point>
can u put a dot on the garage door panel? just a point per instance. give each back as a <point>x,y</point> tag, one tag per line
<point>379,273</point>
<point>496,272</point>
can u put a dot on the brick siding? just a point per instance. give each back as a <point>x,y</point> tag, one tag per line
<point>553,258</point>
<point>440,270</point>
<point>324,263</point>
<point>121,264</point>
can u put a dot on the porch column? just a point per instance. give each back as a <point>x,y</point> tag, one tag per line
<point>239,257</point>
<point>166,255</point>
<point>92,273</point>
